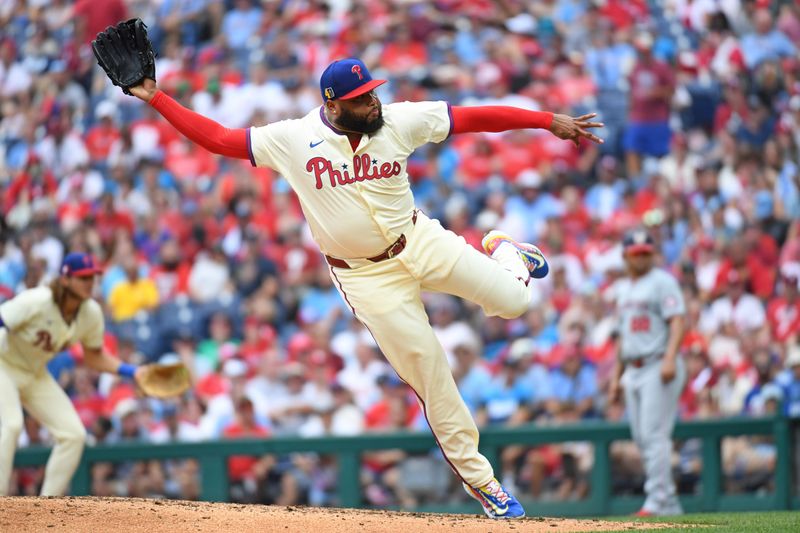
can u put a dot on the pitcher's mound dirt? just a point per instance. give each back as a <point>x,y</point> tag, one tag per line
<point>121,515</point>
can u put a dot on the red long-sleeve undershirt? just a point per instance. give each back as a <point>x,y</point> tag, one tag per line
<point>497,118</point>
<point>209,134</point>
<point>218,139</point>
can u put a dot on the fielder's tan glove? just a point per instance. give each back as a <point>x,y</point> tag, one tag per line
<point>164,381</point>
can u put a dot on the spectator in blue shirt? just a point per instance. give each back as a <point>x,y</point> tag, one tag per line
<point>759,126</point>
<point>791,386</point>
<point>787,189</point>
<point>608,61</point>
<point>574,384</point>
<point>323,302</point>
<point>543,332</point>
<point>605,197</point>
<point>240,24</point>
<point>471,374</point>
<point>189,13</point>
<point>534,375</point>
<point>505,399</point>
<point>766,370</point>
<point>12,266</point>
<point>532,205</point>
<point>767,42</point>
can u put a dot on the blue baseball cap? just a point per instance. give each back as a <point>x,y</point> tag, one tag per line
<point>345,79</point>
<point>638,241</point>
<point>390,380</point>
<point>79,264</point>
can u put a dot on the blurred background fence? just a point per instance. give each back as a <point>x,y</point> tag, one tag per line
<point>213,456</point>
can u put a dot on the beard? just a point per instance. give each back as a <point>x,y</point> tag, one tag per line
<point>69,291</point>
<point>352,122</point>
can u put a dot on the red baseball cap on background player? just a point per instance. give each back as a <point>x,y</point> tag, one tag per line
<point>345,79</point>
<point>79,264</point>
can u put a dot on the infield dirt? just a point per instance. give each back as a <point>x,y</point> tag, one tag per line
<point>122,515</point>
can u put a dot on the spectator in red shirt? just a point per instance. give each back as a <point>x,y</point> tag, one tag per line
<point>479,160</point>
<point>90,18</point>
<point>652,85</point>
<point>402,54</point>
<point>761,244</point>
<point>34,182</point>
<point>171,273</point>
<point>188,161</point>
<point>104,134</point>
<point>247,472</point>
<point>297,262</point>
<point>575,220</point>
<point>699,375</point>
<point>394,412</point>
<point>733,109</point>
<point>721,53</point>
<point>624,13</point>
<point>745,260</point>
<point>783,312</point>
<point>561,294</point>
<point>258,339</point>
<point>517,153</point>
<point>108,220</point>
<point>87,400</point>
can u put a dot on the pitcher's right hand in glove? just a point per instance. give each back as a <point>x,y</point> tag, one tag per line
<point>126,54</point>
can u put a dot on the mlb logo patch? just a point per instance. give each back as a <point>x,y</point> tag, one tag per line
<point>329,92</point>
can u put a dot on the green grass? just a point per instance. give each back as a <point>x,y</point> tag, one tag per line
<point>772,522</point>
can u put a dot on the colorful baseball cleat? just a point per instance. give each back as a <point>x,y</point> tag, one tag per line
<point>531,255</point>
<point>496,501</point>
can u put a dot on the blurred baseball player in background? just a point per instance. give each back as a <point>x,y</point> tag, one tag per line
<point>34,326</point>
<point>651,312</point>
<point>346,161</point>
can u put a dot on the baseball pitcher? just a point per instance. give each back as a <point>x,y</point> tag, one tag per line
<point>346,161</point>
<point>34,326</point>
<point>650,309</point>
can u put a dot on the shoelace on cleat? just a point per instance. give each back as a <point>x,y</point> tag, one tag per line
<point>496,490</point>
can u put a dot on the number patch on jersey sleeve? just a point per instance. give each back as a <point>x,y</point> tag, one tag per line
<point>640,323</point>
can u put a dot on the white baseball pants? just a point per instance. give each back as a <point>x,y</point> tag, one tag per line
<point>652,407</point>
<point>46,401</point>
<point>385,296</point>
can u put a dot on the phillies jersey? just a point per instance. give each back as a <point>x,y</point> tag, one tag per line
<point>357,203</point>
<point>35,331</point>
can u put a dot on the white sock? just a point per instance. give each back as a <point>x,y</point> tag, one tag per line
<point>508,256</point>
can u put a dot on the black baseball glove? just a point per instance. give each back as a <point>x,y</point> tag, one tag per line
<point>125,53</point>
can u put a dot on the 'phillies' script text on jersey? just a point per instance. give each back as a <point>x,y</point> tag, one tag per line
<point>357,201</point>
<point>364,168</point>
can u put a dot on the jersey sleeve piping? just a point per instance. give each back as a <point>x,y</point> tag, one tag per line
<point>250,147</point>
<point>450,116</point>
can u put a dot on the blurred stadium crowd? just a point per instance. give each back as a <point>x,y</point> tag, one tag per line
<point>209,261</point>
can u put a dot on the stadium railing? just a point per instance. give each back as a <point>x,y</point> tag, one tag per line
<point>212,457</point>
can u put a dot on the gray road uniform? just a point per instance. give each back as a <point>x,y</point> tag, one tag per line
<point>644,307</point>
